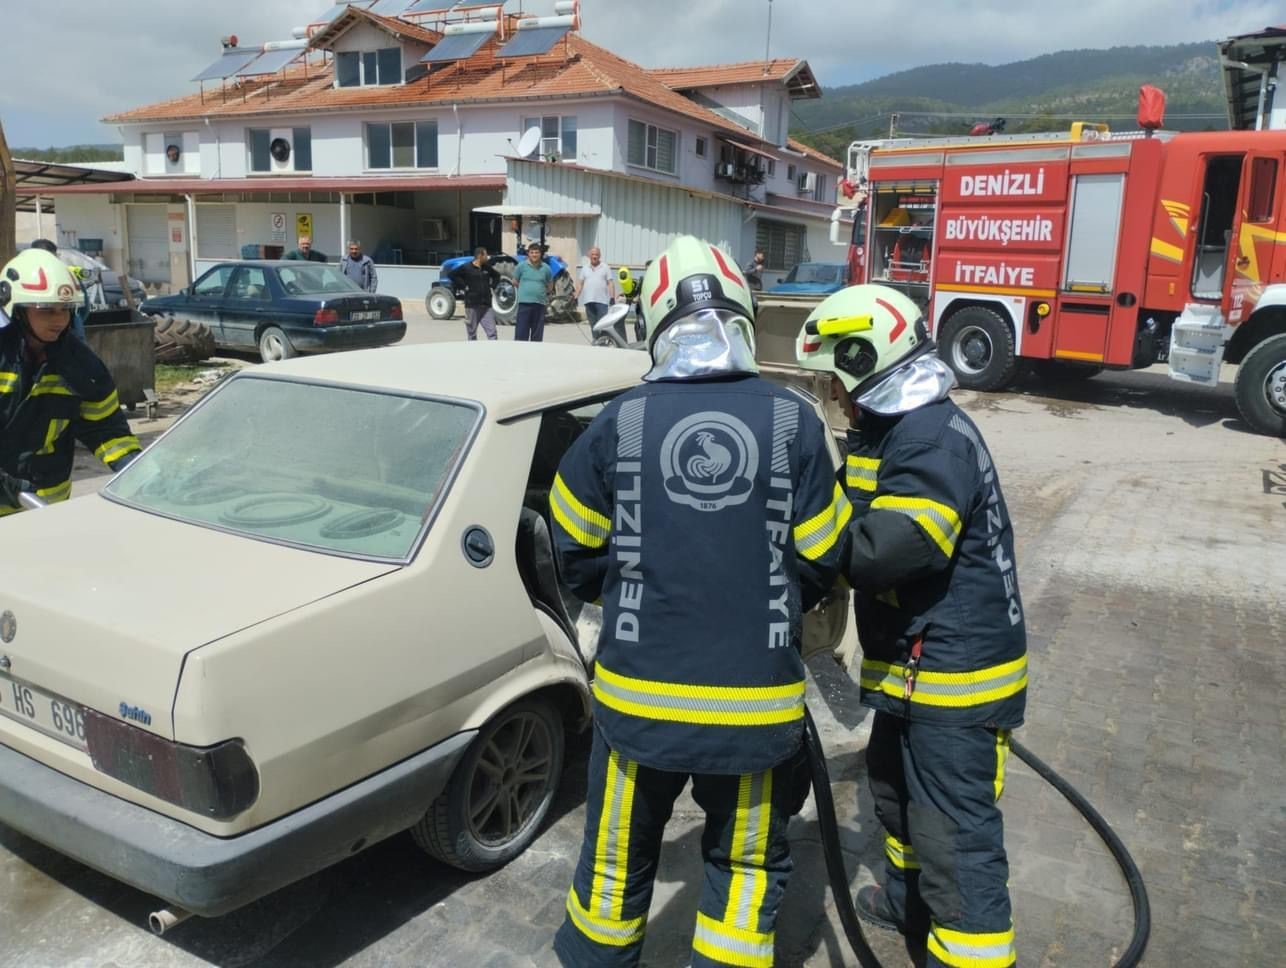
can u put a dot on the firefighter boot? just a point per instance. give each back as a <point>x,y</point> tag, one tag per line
<point>873,906</point>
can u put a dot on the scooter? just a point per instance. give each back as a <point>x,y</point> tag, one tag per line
<point>610,330</point>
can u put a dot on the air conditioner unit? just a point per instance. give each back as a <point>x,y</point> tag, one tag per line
<point>281,150</point>
<point>808,182</point>
<point>435,229</point>
<point>726,170</point>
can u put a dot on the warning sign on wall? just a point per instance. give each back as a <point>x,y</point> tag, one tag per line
<point>278,227</point>
<point>304,224</point>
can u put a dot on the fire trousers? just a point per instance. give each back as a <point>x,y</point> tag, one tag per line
<point>936,791</point>
<point>747,862</point>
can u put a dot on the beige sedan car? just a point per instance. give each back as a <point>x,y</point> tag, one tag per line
<point>320,610</point>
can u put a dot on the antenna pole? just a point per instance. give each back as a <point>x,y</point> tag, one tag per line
<point>768,40</point>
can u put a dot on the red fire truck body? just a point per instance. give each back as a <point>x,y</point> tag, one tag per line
<point>1084,251</point>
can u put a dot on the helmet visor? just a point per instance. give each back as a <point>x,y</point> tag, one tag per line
<point>708,342</point>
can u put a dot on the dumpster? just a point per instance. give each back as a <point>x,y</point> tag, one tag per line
<point>124,340</point>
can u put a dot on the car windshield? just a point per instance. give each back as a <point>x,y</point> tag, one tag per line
<point>817,272</point>
<point>338,470</point>
<point>315,278</point>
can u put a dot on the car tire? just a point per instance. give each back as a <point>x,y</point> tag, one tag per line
<point>978,345</point>
<point>275,345</point>
<point>179,341</point>
<point>485,817</point>
<point>1260,387</point>
<point>504,295</point>
<point>604,341</point>
<point>1056,371</point>
<point>440,302</point>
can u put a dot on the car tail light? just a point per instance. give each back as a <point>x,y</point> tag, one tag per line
<point>395,312</point>
<point>217,781</point>
<point>324,317</point>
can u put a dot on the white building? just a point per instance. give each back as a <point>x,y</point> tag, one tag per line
<point>403,132</point>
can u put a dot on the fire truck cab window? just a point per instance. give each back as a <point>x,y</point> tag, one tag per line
<point>902,238</point>
<point>1263,182</point>
<point>1214,232</point>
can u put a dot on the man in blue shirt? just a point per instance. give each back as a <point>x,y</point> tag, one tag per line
<point>535,285</point>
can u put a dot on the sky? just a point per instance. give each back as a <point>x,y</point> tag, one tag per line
<point>104,57</point>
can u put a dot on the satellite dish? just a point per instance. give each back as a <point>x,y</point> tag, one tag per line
<point>529,144</point>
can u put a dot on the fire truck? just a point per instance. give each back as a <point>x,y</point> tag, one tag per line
<point>1085,250</point>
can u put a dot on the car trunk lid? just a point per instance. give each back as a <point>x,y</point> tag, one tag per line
<point>104,602</point>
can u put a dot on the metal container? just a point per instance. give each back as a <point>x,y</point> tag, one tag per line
<point>124,340</point>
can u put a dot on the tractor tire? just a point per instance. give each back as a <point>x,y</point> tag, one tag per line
<point>1056,371</point>
<point>562,304</point>
<point>181,341</point>
<point>977,343</point>
<point>440,302</point>
<point>1260,387</point>
<point>504,297</point>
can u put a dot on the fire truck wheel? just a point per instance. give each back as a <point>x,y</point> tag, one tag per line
<point>1056,371</point>
<point>978,344</point>
<point>1261,387</point>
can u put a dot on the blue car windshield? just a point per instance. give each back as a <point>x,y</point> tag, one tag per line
<point>330,469</point>
<point>815,272</point>
<point>315,278</point>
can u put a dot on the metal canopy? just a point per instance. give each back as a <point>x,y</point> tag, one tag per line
<point>1250,65</point>
<point>456,47</point>
<point>529,43</point>
<point>232,62</point>
<point>271,62</point>
<point>33,176</point>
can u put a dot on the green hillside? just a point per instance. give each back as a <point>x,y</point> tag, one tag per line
<point>1040,94</point>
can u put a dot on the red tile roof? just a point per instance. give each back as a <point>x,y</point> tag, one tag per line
<point>712,75</point>
<point>286,183</point>
<point>814,154</point>
<point>355,15</point>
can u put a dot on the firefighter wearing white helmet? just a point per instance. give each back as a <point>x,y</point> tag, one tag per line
<point>702,509</point>
<point>53,389</point>
<point>930,556</point>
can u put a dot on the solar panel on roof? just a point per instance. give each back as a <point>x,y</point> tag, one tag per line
<point>455,47</point>
<point>391,8</point>
<point>329,15</point>
<point>431,6</point>
<point>529,43</point>
<point>271,62</point>
<point>230,63</point>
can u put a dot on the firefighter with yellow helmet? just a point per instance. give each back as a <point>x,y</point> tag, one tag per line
<point>702,509</point>
<point>53,389</point>
<point>930,555</point>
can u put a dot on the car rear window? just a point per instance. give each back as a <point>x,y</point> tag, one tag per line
<point>315,278</point>
<point>337,470</point>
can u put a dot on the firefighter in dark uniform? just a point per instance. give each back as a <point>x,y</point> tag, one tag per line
<point>702,508</point>
<point>53,389</point>
<point>930,555</point>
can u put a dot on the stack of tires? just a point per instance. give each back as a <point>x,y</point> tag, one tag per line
<point>181,341</point>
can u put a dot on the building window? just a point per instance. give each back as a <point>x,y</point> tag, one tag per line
<point>821,187</point>
<point>557,136</point>
<point>404,144</point>
<point>784,245</point>
<point>701,147</point>
<point>653,148</point>
<point>772,167</point>
<point>273,149</point>
<point>369,68</point>
<point>790,173</point>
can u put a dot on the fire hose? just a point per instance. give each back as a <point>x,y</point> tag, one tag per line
<point>839,878</point>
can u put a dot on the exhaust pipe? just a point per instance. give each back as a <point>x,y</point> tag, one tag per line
<point>166,919</point>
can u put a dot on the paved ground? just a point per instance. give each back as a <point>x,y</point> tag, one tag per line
<point>1151,526</point>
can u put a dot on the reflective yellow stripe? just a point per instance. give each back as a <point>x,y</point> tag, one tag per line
<point>705,705</point>
<point>612,846</point>
<point>116,448</point>
<point>56,492</point>
<point>583,523</point>
<point>729,945</point>
<point>956,690</point>
<point>604,931</point>
<point>818,534</point>
<point>1167,251</point>
<point>51,386</point>
<point>102,409</point>
<point>960,949</point>
<point>8,382</point>
<point>750,828</point>
<point>56,428</point>
<point>861,472</point>
<point>1002,755</point>
<point>940,522</point>
<point>900,855</point>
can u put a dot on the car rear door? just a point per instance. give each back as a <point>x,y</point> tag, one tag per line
<point>247,304</point>
<point>203,301</point>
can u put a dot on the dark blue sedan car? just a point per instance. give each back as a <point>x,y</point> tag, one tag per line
<point>282,309</point>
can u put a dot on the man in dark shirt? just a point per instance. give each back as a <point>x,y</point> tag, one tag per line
<point>477,278</point>
<point>305,252</point>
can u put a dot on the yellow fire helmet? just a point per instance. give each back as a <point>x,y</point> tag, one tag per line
<point>874,339</point>
<point>626,279</point>
<point>35,277</point>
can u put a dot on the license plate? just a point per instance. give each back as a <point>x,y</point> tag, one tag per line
<point>55,717</point>
<point>367,314</point>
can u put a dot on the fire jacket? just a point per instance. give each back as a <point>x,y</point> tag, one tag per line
<point>45,407</point>
<point>707,517</point>
<point>930,554</point>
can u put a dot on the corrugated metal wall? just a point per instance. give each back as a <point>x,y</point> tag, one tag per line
<point>637,220</point>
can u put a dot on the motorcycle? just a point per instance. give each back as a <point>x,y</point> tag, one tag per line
<point>610,330</point>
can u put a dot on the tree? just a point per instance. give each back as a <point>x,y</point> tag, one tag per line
<point>8,202</point>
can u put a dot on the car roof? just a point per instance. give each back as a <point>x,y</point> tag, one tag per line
<point>510,379</point>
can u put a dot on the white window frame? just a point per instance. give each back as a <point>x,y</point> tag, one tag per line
<point>555,145</point>
<point>414,123</point>
<point>652,144</point>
